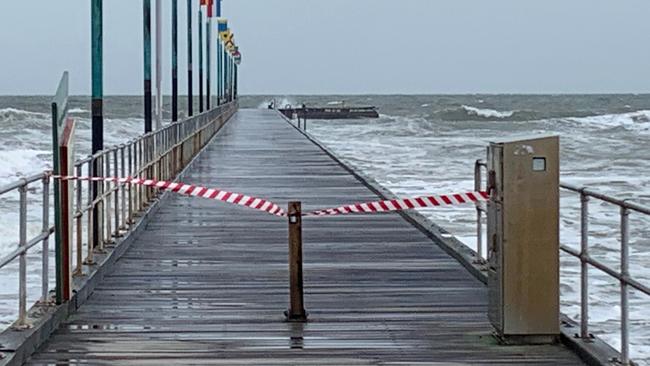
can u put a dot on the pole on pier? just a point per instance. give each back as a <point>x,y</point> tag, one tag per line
<point>296,312</point>
<point>200,60</point>
<point>218,53</point>
<point>174,60</point>
<point>97,128</point>
<point>208,45</point>
<point>147,66</point>
<point>190,97</point>
<point>159,96</point>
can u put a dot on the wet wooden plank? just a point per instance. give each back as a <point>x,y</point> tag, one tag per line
<point>207,283</point>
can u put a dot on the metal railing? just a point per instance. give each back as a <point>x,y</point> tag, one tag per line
<point>25,244</point>
<point>626,281</point>
<point>159,155</point>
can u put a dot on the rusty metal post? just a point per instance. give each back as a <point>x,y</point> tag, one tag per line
<point>296,312</point>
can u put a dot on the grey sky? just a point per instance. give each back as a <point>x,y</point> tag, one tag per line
<point>353,46</point>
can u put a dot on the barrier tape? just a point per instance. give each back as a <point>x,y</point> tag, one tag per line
<point>193,191</point>
<point>404,204</point>
<point>274,209</point>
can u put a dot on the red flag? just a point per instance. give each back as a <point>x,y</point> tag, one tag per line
<point>210,4</point>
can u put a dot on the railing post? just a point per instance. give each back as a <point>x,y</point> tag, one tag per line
<point>124,223</point>
<point>479,225</point>
<point>584,266</point>
<point>46,242</point>
<point>625,274</point>
<point>91,215</point>
<point>79,271</point>
<point>22,270</point>
<point>296,312</point>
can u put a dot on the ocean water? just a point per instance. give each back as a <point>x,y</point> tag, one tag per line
<point>420,145</point>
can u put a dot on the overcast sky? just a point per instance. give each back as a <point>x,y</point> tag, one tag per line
<point>352,46</point>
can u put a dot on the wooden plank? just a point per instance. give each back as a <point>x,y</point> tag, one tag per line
<point>207,283</point>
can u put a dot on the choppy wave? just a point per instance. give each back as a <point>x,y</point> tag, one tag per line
<point>470,113</point>
<point>635,121</point>
<point>487,113</point>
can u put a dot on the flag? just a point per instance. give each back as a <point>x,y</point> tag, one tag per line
<point>210,4</point>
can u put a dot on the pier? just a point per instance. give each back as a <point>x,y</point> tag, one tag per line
<point>206,282</point>
<point>233,236</point>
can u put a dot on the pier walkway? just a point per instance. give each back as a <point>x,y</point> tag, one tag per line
<point>207,283</point>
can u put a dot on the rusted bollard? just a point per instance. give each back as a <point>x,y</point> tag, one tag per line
<point>296,312</point>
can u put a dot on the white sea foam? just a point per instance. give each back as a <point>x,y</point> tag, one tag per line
<point>638,121</point>
<point>78,110</point>
<point>487,113</point>
<point>279,103</point>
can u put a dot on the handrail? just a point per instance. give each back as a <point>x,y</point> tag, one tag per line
<point>159,155</point>
<point>623,276</point>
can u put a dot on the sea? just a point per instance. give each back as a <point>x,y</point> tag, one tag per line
<point>421,144</point>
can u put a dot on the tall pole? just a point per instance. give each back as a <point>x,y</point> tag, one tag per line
<point>174,60</point>
<point>208,64</point>
<point>200,60</point>
<point>218,70</point>
<point>97,40</point>
<point>159,96</point>
<point>147,66</point>
<point>190,97</point>
<point>218,54</point>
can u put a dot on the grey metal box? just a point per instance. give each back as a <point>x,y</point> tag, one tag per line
<point>523,239</point>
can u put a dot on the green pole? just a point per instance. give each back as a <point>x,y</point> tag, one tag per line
<point>190,98</point>
<point>147,66</point>
<point>208,69</point>
<point>200,60</point>
<point>97,103</point>
<point>174,60</point>
<point>218,54</point>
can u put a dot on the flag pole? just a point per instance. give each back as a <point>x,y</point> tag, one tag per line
<point>174,60</point>
<point>190,97</point>
<point>147,65</point>
<point>159,99</point>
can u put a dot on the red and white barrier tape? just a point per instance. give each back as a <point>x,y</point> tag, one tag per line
<point>404,204</point>
<point>194,191</point>
<point>274,209</point>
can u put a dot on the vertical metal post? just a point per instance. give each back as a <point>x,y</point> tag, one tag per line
<point>296,312</point>
<point>208,63</point>
<point>478,177</point>
<point>22,270</point>
<point>174,60</point>
<point>190,97</point>
<point>78,270</point>
<point>123,187</point>
<point>46,242</point>
<point>91,216</point>
<point>106,199</point>
<point>219,66</point>
<point>147,66</point>
<point>584,266</point>
<point>97,95</point>
<point>625,273</point>
<point>130,147</point>
<point>200,60</point>
<point>159,96</point>
<point>116,198</point>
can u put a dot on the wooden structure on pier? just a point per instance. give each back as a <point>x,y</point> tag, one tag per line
<point>206,283</point>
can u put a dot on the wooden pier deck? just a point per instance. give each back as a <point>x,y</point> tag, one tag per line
<point>207,283</point>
